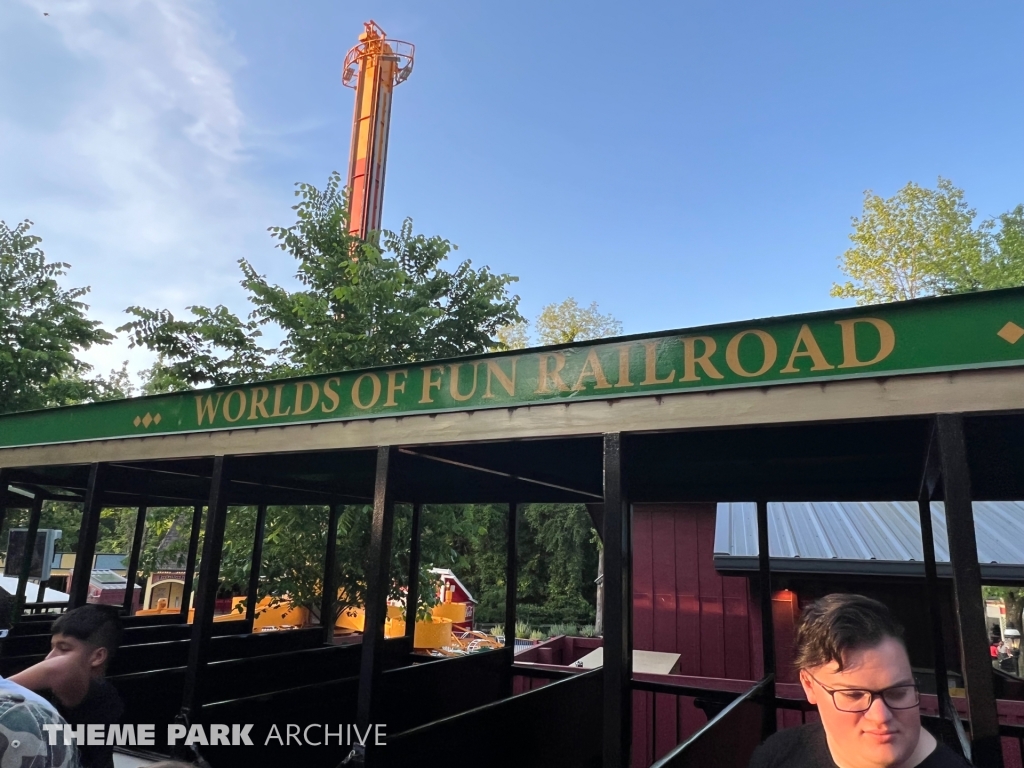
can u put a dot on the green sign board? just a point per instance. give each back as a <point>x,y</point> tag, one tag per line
<point>942,334</point>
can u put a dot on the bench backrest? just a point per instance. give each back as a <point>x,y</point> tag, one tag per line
<point>557,726</point>
<point>174,653</point>
<point>155,697</point>
<point>26,645</point>
<point>411,695</point>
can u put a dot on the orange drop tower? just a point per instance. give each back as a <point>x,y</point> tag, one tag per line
<point>373,68</point>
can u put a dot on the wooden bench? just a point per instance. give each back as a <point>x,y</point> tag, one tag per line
<point>174,653</point>
<point>40,624</point>
<point>410,696</point>
<point>26,645</point>
<point>557,726</point>
<point>281,686</point>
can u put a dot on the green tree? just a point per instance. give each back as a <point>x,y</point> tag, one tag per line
<point>561,323</point>
<point>1005,268</point>
<point>43,329</point>
<point>918,242</point>
<point>357,305</point>
<point>393,298</point>
<point>568,322</point>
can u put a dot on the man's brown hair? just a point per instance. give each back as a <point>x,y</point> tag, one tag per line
<point>838,624</point>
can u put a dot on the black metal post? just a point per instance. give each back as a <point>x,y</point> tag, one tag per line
<point>91,509</point>
<point>330,593</point>
<point>133,561</point>
<point>4,482</point>
<point>377,582</point>
<point>986,749</point>
<point>190,561</point>
<point>618,632</point>
<point>412,596</point>
<point>206,592</point>
<point>511,586</point>
<point>252,596</point>
<point>764,566</point>
<point>26,558</point>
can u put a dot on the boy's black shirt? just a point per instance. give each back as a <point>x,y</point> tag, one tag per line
<point>806,747</point>
<point>101,705</point>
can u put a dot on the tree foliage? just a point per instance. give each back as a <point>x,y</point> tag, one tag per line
<point>1005,268</point>
<point>922,241</point>
<point>43,329</point>
<point>360,303</point>
<point>918,242</point>
<point>561,323</point>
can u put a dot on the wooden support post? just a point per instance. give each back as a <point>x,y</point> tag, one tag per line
<point>26,558</point>
<point>986,749</point>
<point>511,587</point>
<point>330,593</point>
<point>133,561</point>
<point>92,506</point>
<point>618,614</point>
<point>764,566</point>
<point>255,564</point>
<point>412,596</point>
<point>377,582</point>
<point>190,561</point>
<point>206,594</point>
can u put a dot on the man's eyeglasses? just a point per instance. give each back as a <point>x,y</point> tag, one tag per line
<point>860,700</point>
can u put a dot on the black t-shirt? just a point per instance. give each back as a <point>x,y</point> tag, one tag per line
<point>806,747</point>
<point>101,705</point>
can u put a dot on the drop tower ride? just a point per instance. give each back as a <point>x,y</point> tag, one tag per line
<point>373,68</point>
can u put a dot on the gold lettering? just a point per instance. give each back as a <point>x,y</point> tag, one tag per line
<point>241,405</point>
<point>592,370</point>
<point>277,402</point>
<point>691,359</point>
<point>508,383</point>
<point>453,383</point>
<point>810,349</point>
<point>553,376</point>
<point>314,398</point>
<point>375,380</point>
<point>259,403</point>
<point>394,386</point>
<point>650,366</point>
<point>331,395</point>
<point>732,353</point>
<point>207,407</point>
<point>886,340</point>
<point>624,367</point>
<point>428,381</point>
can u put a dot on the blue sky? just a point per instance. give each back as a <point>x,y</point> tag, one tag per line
<point>679,162</point>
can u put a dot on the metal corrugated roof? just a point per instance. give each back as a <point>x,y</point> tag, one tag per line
<point>864,537</point>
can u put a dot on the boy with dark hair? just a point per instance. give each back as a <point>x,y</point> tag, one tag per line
<point>854,667</point>
<point>82,642</point>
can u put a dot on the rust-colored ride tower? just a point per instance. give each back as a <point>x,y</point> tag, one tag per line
<point>373,68</point>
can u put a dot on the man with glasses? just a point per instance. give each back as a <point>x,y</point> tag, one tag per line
<point>854,667</point>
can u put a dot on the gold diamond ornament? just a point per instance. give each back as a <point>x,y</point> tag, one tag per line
<point>1011,332</point>
<point>147,420</point>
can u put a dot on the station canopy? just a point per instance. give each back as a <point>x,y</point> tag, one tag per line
<point>831,406</point>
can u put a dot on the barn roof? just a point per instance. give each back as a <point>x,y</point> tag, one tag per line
<point>865,538</point>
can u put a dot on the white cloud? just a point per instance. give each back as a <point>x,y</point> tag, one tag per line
<point>137,173</point>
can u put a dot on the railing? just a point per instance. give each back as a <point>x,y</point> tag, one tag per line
<point>729,738</point>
